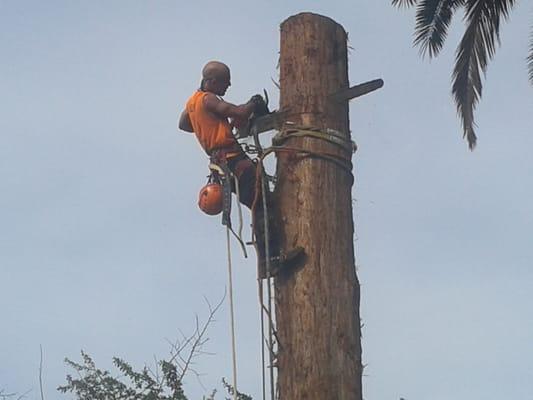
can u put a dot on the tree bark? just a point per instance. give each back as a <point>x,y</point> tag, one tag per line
<point>317,303</point>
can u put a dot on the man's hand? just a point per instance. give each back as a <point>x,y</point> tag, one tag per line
<point>260,105</point>
<point>257,99</point>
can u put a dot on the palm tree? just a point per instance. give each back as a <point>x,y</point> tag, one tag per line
<point>476,49</point>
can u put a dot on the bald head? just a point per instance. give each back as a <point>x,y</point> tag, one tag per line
<point>215,77</point>
<point>215,70</point>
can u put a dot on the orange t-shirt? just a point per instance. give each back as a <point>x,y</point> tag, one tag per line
<point>211,132</point>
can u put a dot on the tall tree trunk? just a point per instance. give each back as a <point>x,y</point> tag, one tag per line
<point>317,304</point>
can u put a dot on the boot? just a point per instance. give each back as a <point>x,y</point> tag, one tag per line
<point>259,225</point>
<point>284,261</point>
<point>278,260</point>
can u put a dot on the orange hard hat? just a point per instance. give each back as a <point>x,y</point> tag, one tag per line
<point>210,199</point>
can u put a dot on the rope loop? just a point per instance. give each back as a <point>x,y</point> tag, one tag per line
<point>330,135</point>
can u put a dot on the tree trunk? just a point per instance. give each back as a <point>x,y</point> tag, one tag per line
<point>317,303</point>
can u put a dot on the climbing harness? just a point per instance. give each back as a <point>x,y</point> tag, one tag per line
<point>221,170</point>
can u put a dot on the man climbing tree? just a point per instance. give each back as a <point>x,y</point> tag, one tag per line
<point>206,114</point>
<point>212,120</point>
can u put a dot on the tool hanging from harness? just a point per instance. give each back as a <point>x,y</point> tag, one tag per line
<point>219,167</point>
<point>215,196</point>
<point>210,198</point>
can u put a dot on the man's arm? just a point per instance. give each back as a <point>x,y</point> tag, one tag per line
<point>185,122</point>
<point>224,109</point>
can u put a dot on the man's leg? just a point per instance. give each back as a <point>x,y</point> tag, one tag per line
<point>246,171</point>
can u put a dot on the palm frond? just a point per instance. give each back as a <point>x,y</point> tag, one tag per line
<point>404,3</point>
<point>476,49</point>
<point>433,18</point>
<point>530,57</point>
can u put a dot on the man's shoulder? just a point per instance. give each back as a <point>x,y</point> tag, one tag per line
<point>211,100</point>
<point>203,96</point>
<point>195,98</point>
<point>196,94</point>
<point>210,96</point>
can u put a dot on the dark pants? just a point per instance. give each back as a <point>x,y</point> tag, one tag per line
<point>246,172</point>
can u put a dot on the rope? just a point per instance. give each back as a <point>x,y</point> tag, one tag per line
<point>239,208</point>
<point>232,316</point>
<point>269,287</point>
<point>240,241</point>
<point>342,162</point>
<point>226,175</point>
<point>329,135</point>
<point>263,309</point>
<point>230,278</point>
<point>263,374</point>
<point>261,186</point>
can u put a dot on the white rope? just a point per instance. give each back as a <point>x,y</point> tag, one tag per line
<point>239,208</point>
<point>239,236</point>
<point>232,315</point>
<point>268,310</point>
<point>263,374</point>
<point>264,188</point>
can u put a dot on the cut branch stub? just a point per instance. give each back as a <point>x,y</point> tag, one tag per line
<point>356,91</point>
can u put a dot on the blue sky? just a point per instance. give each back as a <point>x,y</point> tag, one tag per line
<point>102,246</point>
